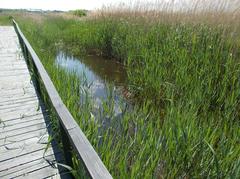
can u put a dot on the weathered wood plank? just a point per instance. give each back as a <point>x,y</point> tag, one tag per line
<point>27,159</point>
<point>23,144</point>
<point>6,129</point>
<point>19,121</point>
<point>11,69</point>
<point>5,85</point>
<point>14,104</point>
<point>18,100</point>
<point>21,113</point>
<point>22,137</point>
<point>25,117</point>
<point>32,102</point>
<point>20,169</point>
<point>16,91</point>
<point>8,64</point>
<point>25,150</point>
<point>40,125</point>
<point>24,129</point>
<point>40,173</point>
<point>34,106</point>
<point>15,94</point>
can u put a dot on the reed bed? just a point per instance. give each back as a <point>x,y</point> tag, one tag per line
<point>183,71</point>
<point>4,19</point>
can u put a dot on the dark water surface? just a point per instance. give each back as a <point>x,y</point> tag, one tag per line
<point>98,73</point>
<point>94,67</point>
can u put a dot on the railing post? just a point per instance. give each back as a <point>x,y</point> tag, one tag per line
<point>27,57</point>
<point>66,147</point>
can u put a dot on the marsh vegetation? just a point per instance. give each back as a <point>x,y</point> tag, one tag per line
<point>183,70</point>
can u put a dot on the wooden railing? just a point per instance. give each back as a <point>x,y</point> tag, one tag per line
<point>72,135</point>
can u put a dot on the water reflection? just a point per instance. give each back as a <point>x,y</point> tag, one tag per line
<point>97,72</point>
<point>94,67</point>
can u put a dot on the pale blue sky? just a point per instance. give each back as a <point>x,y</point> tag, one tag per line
<point>60,4</point>
<point>95,4</point>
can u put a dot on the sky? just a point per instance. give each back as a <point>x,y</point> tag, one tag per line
<point>59,4</point>
<point>66,5</point>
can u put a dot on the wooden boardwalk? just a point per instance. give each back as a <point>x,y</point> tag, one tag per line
<point>24,125</point>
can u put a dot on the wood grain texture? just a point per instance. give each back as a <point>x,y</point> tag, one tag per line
<point>24,128</point>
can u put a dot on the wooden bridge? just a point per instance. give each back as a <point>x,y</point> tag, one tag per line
<point>26,150</point>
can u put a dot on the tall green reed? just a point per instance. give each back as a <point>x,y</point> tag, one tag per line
<point>185,78</point>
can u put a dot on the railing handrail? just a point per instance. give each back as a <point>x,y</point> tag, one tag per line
<point>78,140</point>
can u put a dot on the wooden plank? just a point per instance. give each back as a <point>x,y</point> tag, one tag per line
<point>23,144</point>
<point>12,57</point>
<point>10,62</point>
<point>17,90</point>
<point>16,82</point>
<point>8,128</point>
<point>19,121</point>
<point>12,154</point>
<point>16,85</point>
<point>14,94</point>
<point>84,149</point>
<point>63,175</point>
<point>34,106</point>
<point>40,173</point>
<point>40,125</point>
<point>22,137</point>
<point>12,76</point>
<point>45,168</point>
<point>17,94</point>
<point>23,128</point>
<point>26,117</point>
<point>14,91</point>
<point>18,100</point>
<point>13,67</point>
<point>39,155</point>
<point>9,69</point>
<point>21,113</point>
<point>27,109</point>
<point>5,74</point>
<point>30,166</point>
<point>32,102</point>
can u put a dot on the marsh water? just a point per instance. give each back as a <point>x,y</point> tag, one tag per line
<point>99,74</point>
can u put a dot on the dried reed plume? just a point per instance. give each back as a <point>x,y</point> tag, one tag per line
<point>215,12</point>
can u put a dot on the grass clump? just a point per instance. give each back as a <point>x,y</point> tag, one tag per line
<point>184,76</point>
<point>79,12</point>
<point>5,19</point>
